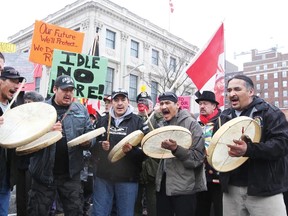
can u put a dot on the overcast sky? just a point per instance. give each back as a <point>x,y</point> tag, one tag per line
<point>256,24</point>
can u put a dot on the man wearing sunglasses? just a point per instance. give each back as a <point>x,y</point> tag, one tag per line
<point>179,178</point>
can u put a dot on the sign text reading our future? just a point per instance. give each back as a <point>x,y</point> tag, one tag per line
<point>58,36</point>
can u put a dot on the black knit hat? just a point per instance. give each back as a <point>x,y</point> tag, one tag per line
<point>168,96</point>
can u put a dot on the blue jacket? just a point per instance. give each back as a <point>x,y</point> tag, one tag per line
<point>76,123</point>
<point>267,167</point>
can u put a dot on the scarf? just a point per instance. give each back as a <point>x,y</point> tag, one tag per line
<point>206,119</point>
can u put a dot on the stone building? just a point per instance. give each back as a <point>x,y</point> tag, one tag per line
<point>138,51</point>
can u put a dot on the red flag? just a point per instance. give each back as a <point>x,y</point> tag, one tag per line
<point>208,62</point>
<point>171,6</point>
<point>93,106</point>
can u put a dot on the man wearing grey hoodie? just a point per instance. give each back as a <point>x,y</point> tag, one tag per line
<point>119,179</point>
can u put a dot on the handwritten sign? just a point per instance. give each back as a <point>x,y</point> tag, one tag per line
<point>184,102</point>
<point>47,37</point>
<point>7,47</point>
<point>88,73</point>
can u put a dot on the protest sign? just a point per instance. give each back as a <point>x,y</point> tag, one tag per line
<point>88,73</point>
<point>47,37</point>
<point>7,47</point>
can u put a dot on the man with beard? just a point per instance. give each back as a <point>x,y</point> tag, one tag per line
<point>56,169</point>
<point>209,113</point>
<point>9,81</point>
<point>179,178</point>
<point>256,187</point>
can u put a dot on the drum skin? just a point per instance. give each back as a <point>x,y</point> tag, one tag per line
<point>217,151</point>
<point>133,139</point>
<point>25,123</point>
<point>40,143</point>
<point>151,143</point>
<point>86,137</point>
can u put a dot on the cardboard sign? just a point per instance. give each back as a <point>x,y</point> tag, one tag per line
<point>7,47</point>
<point>88,73</point>
<point>47,37</point>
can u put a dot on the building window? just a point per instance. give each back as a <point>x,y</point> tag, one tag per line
<point>258,87</point>
<point>265,94</point>
<point>276,75</point>
<point>285,93</point>
<point>275,65</point>
<point>284,64</point>
<point>133,87</point>
<point>154,91</point>
<point>276,103</point>
<point>110,39</point>
<point>37,83</point>
<point>134,49</point>
<point>155,57</point>
<point>265,67</point>
<point>172,66</point>
<point>109,81</point>
<point>265,76</point>
<point>284,73</point>
<point>285,103</point>
<point>257,77</point>
<point>276,95</point>
<point>284,83</point>
<point>275,84</point>
<point>265,85</point>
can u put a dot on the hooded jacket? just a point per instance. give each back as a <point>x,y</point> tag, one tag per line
<point>185,172</point>
<point>266,170</point>
<point>126,169</point>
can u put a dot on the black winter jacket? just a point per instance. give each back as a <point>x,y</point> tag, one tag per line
<point>128,168</point>
<point>267,166</point>
<point>8,164</point>
<point>76,123</point>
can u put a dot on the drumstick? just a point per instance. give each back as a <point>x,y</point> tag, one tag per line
<point>149,119</point>
<point>219,121</point>
<point>15,95</point>
<point>108,127</point>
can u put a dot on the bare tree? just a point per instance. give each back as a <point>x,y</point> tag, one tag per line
<point>166,74</point>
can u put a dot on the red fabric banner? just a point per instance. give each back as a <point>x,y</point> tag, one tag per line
<point>206,65</point>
